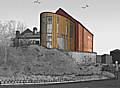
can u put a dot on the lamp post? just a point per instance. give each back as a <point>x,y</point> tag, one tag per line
<point>116,69</point>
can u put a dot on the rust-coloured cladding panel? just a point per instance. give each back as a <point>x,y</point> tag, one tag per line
<point>43,38</point>
<point>76,33</point>
<point>79,38</point>
<point>82,41</point>
<point>68,37</point>
<point>60,34</point>
<point>88,40</point>
<point>75,38</point>
<point>43,31</point>
<point>54,31</point>
<point>60,25</point>
<point>63,13</point>
<point>85,40</point>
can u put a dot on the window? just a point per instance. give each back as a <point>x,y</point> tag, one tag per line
<point>49,19</point>
<point>57,21</point>
<point>49,28</point>
<point>48,38</point>
<point>37,42</point>
<point>43,19</point>
<point>66,29</point>
<point>66,43</point>
<point>57,28</point>
<point>49,24</point>
<point>61,43</point>
<point>71,43</point>
<point>49,44</point>
<point>71,30</point>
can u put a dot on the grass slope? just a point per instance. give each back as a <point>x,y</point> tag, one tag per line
<point>36,60</point>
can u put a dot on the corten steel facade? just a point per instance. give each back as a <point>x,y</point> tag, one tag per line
<point>84,38</point>
<point>60,30</point>
<point>57,32</point>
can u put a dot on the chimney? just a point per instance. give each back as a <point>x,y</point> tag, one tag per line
<point>17,33</point>
<point>34,30</point>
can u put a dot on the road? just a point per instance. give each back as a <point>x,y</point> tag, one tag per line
<point>91,84</point>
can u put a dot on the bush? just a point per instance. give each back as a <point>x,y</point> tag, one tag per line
<point>108,74</point>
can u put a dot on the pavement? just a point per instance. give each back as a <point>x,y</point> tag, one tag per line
<point>113,83</point>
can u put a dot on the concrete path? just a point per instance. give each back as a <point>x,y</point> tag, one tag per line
<point>91,84</point>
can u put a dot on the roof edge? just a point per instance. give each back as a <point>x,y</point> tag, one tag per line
<point>73,19</point>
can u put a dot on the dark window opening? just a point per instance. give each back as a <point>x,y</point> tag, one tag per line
<point>37,42</point>
<point>49,19</point>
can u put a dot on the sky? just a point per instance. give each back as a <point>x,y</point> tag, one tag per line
<point>102,17</point>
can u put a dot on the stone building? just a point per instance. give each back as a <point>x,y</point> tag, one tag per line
<point>27,37</point>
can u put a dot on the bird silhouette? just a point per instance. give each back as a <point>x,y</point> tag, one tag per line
<point>86,6</point>
<point>83,7</point>
<point>37,2</point>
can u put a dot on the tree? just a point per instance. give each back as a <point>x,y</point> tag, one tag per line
<point>7,31</point>
<point>21,27</point>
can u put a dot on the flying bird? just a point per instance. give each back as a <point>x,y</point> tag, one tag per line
<point>37,2</point>
<point>86,6</point>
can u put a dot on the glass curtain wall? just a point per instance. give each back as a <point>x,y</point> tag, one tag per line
<point>49,32</point>
<point>60,37</point>
<point>65,32</point>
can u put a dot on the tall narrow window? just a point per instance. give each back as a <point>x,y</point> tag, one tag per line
<point>60,43</point>
<point>49,19</point>
<point>49,37</point>
<point>71,30</point>
<point>49,32</point>
<point>49,24</point>
<point>49,45</point>
<point>66,29</point>
<point>57,23</point>
<point>72,47</point>
<point>66,34</point>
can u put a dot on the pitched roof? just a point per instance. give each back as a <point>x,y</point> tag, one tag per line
<point>28,34</point>
<point>26,31</point>
<point>70,17</point>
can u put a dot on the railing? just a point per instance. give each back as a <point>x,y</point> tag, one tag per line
<point>50,80</point>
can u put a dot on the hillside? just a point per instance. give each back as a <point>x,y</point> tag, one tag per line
<point>35,60</point>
